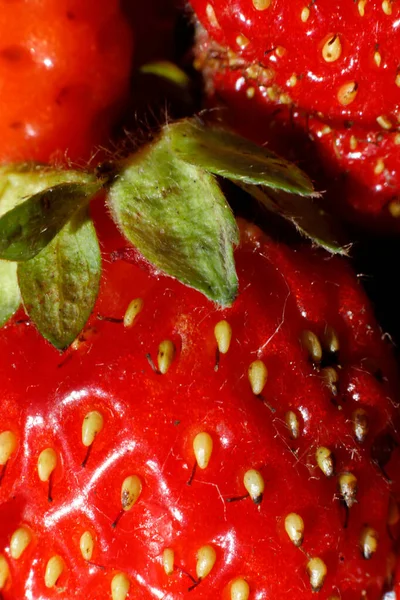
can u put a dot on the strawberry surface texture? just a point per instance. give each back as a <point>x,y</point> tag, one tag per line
<point>319,82</point>
<point>178,450</point>
<point>64,72</point>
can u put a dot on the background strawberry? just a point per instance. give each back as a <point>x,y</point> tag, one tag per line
<point>64,75</point>
<point>150,420</point>
<point>290,100</point>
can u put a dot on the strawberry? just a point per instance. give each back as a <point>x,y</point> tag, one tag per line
<point>64,71</point>
<point>128,462</point>
<point>239,446</point>
<point>350,149</point>
<point>314,54</point>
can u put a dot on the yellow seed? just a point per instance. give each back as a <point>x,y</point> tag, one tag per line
<point>120,585</point>
<point>257,374</point>
<point>360,424</point>
<point>330,340</point>
<point>254,484</point>
<point>348,488</point>
<point>280,51</point>
<point>130,491</point>
<point>324,131</point>
<point>368,542</point>
<point>394,207</point>
<point>393,512</point>
<point>332,49</point>
<point>20,540</point>
<point>312,344</point>
<point>353,143</point>
<point>250,92</point>
<point>325,461</point>
<point>397,80</point>
<point>4,572</point>
<point>91,426</point>
<point>294,526</point>
<point>384,122</point>
<point>240,589</point>
<point>291,82</point>
<point>8,444</point>
<point>377,58</point>
<point>211,16</point>
<point>206,557</point>
<point>285,99</point>
<point>134,308</point>
<point>223,335</point>
<point>242,41</point>
<point>316,569</point>
<point>305,13</point>
<point>293,424</point>
<point>347,93</point>
<point>47,462</point>
<point>379,167</point>
<point>272,93</point>
<point>387,7</point>
<point>54,568</point>
<point>166,355</point>
<point>86,545</point>
<point>330,377</point>
<point>361,7</point>
<point>261,4</point>
<point>202,446</point>
<point>168,559</point>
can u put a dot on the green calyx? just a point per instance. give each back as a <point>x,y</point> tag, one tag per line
<point>166,201</point>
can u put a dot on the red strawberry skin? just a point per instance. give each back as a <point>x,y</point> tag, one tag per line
<point>64,73</point>
<point>357,165</point>
<point>315,49</point>
<point>150,421</point>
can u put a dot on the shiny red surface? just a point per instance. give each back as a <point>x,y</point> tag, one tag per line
<point>318,81</point>
<point>151,420</point>
<point>64,72</point>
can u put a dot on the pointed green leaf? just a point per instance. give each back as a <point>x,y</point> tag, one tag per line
<point>60,285</point>
<point>225,153</point>
<point>10,297</point>
<point>28,227</point>
<point>177,216</point>
<point>306,214</point>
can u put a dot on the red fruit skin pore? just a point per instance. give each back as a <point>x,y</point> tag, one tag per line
<point>150,421</point>
<point>64,76</point>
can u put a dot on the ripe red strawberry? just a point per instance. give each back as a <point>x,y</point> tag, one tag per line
<point>352,149</point>
<point>66,536</point>
<point>64,72</point>
<point>315,54</point>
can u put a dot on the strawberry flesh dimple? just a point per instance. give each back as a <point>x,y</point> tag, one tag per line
<point>149,422</point>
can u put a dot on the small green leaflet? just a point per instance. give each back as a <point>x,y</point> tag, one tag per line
<point>28,227</point>
<point>177,216</point>
<point>59,286</point>
<point>307,216</point>
<point>10,297</point>
<point>167,70</point>
<point>223,152</point>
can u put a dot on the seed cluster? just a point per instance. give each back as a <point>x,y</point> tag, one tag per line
<point>322,352</point>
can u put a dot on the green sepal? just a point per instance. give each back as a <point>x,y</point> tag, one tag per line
<point>10,297</point>
<point>178,218</point>
<point>35,203</point>
<point>227,154</point>
<point>59,286</point>
<point>306,214</point>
